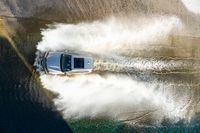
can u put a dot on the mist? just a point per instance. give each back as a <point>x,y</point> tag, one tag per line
<point>115,93</point>
<point>112,35</point>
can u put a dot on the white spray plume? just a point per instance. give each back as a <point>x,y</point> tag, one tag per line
<point>111,95</point>
<point>192,5</point>
<point>112,35</point>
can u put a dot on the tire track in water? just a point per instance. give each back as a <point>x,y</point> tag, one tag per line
<point>121,64</point>
<point>162,81</point>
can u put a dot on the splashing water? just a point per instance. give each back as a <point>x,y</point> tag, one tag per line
<point>110,96</point>
<point>192,5</point>
<point>125,64</point>
<point>110,36</point>
<point>113,95</point>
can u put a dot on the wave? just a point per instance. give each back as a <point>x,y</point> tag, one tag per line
<point>115,95</point>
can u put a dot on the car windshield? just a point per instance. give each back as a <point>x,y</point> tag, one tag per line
<point>66,62</point>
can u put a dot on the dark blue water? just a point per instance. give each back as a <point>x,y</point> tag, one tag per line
<point>24,107</point>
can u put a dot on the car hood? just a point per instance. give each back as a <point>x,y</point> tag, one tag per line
<point>53,62</point>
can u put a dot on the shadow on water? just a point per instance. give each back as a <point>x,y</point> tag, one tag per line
<point>25,106</point>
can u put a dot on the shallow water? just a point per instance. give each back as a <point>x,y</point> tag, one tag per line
<point>24,105</point>
<point>146,78</point>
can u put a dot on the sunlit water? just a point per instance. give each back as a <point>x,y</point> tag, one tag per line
<point>146,67</point>
<point>118,92</point>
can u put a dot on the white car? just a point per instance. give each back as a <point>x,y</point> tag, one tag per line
<point>66,63</point>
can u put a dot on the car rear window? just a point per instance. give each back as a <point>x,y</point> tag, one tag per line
<point>78,62</point>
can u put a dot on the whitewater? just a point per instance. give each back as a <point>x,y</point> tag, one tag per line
<point>110,91</point>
